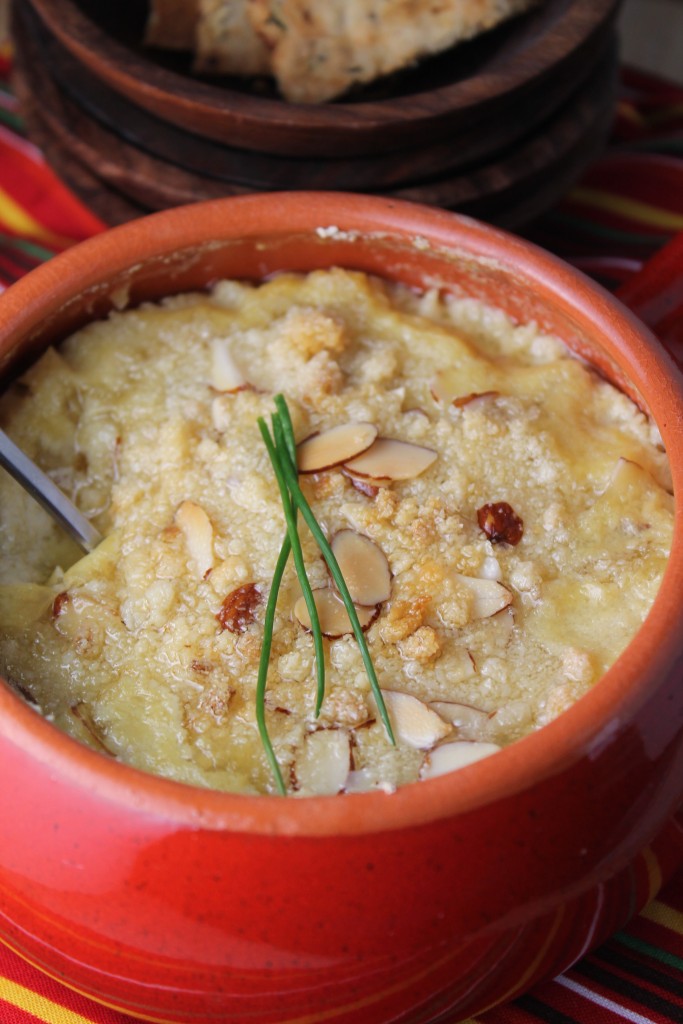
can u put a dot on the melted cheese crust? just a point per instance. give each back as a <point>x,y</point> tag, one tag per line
<point>125,650</point>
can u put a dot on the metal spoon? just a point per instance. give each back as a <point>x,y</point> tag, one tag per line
<point>47,494</point>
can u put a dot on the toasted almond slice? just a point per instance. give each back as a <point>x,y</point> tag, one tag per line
<point>391,459</point>
<point>367,487</point>
<point>364,566</point>
<point>198,532</point>
<point>334,446</point>
<point>488,596</point>
<point>323,765</point>
<point>334,619</point>
<point>225,373</point>
<point>451,756</point>
<point>413,721</point>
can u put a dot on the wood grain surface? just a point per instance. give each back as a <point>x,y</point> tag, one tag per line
<point>199,155</point>
<point>429,104</point>
<point>509,189</point>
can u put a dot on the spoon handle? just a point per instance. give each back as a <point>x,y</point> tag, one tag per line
<point>47,494</point>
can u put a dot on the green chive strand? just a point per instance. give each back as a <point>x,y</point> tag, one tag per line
<point>280,461</point>
<point>263,664</point>
<point>299,499</point>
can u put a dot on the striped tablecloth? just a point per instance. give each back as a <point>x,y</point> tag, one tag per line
<point>627,205</point>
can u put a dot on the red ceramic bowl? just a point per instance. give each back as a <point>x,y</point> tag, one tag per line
<point>431,904</point>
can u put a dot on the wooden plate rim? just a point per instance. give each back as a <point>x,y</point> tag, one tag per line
<point>496,190</point>
<point>198,155</point>
<point>221,109</point>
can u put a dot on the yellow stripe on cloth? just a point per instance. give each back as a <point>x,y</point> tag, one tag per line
<point>654,872</point>
<point>631,208</point>
<point>42,1008</point>
<point>22,223</point>
<point>662,914</point>
<point>629,112</point>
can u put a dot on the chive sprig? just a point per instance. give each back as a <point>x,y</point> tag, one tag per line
<point>281,448</point>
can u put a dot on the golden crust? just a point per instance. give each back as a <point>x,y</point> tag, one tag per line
<point>320,48</point>
<point>226,42</point>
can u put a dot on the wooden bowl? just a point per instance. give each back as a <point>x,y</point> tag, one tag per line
<point>154,165</point>
<point>461,88</point>
<point>181,904</point>
<point>43,56</point>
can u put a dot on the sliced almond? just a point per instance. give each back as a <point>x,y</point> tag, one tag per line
<point>487,596</point>
<point>447,387</point>
<point>451,756</point>
<point>391,459</point>
<point>226,375</point>
<point>364,566</point>
<point>474,396</point>
<point>334,619</point>
<point>630,483</point>
<point>413,721</point>
<point>361,483</point>
<point>490,569</point>
<point>87,727</point>
<point>471,722</point>
<point>626,474</point>
<point>198,533</point>
<point>359,780</point>
<point>334,446</point>
<point>323,765</point>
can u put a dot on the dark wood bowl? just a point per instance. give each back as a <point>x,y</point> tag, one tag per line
<point>205,157</point>
<point>106,166</point>
<point>431,103</point>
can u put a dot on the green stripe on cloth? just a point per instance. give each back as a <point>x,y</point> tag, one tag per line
<point>11,120</point>
<point>633,965</point>
<point>627,988</point>
<point>654,951</point>
<point>38,252</point>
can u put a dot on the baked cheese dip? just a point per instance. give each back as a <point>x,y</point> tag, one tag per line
<point>502,516</point>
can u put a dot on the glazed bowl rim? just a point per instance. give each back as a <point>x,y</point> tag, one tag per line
<point>584,730</point>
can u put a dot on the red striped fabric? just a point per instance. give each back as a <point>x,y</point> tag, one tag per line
<point>627,205</point>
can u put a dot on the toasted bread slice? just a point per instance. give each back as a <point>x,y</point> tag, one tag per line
<point>320,48</point>
<point>226,42</point>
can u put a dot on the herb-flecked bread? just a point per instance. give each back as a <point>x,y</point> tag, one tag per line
<point>226,42</point>
<point>318,49</point>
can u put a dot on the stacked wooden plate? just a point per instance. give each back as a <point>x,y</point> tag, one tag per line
<point>498,127</point>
